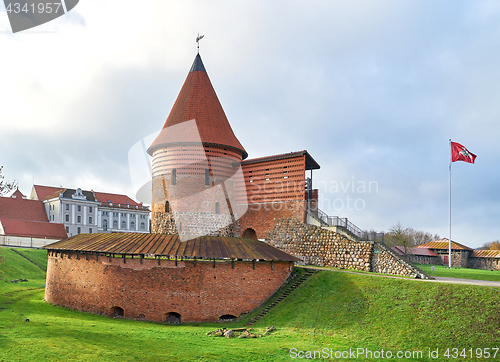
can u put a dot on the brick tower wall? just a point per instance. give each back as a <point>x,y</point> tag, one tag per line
<point>187,196</point>
<point>143,289</point>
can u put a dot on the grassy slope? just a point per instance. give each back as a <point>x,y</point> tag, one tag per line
<point>335,310</point>
<point>463,273</point>
<point>36,255</point>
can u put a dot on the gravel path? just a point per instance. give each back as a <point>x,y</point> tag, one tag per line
<point>486,283</point>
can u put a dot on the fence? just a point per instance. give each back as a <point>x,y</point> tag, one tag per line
<point>25,242</point>
<point>341,222</point>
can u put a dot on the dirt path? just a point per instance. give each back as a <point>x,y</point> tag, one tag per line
<point>486,283</point>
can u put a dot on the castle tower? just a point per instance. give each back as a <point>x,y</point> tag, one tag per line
<point>196,163</point>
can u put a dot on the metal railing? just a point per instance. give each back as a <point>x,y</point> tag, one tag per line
<point>26,242</point>
<point>339,222</point>
<point>358,233</point>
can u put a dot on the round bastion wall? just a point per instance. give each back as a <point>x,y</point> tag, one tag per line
<point>161,290</point>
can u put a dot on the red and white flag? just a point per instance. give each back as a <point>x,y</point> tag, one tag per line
<point>460,153</point>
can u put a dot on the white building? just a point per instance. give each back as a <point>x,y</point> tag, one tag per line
<point>91,212</point>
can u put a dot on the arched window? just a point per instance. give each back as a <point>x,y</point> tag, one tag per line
<point>116,312</point>
<point>143,226</point>
<point>172,317</point>
<point>227,317</point>
<point>115,224</point>
<point>132,225</point>
<point>167,207</point>
<point>124,224</point>
<point>249,233</point>
<point>105,225</point>
<point>217,208</point>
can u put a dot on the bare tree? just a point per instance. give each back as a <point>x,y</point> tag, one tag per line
<point>5,186</point>
<point>409,237</point>
<point>492,245</point>
<point>401,236</point>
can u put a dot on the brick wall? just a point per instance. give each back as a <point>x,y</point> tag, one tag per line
<point>261,217</point>
<point>197,291</point>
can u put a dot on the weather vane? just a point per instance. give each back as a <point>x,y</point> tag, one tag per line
<point>198,38</point>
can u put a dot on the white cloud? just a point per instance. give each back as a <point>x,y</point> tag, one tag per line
<point>371,89</point>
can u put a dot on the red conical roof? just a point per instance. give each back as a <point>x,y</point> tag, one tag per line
<point>197,101</point>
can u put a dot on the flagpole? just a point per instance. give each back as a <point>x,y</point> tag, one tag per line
<point>449,212</point>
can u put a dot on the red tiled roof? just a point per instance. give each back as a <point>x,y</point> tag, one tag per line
<point>17,195</point>
<point>23,209</point>
<point>400,250</point>
<point>414,251</point>
<point>485,254</point>
<point>443,244</point>
<point>43,191</point>
<point>423,252</point>
<point>114,198</point>
<point>35,229</point>
<point>198,101</point>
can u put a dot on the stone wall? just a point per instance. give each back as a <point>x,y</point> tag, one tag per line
<point>321,247</point>
<point>384,261</point>
<point>424,259</point>
<point>484,263</point>
<point>149,289</point>
<point>192,223</point>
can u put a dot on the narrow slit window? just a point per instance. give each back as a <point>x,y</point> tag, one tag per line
<point>207,176</point>
<point>174,176</point>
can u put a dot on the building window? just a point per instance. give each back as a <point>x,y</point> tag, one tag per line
<point>217,208</point>
<point>105,225</point>
<point>174,176</point>
<point>90,219</point>
<point>79,208</point>
<point>90,208</point>
<point>124,225</point>
<point>132,225</point>
<point>143,226</point>
<point>167,207</point>
<point>67,206</point>
<point>115,224</point>
<point>90,230</point>
<point>78,219</point>
<point>124,215</point>
<point>67,229</point>
<point>115,214</point>
<point>207,177</point>
<point>67,218</point>
<point>52,217</point>
<point>78,230</point>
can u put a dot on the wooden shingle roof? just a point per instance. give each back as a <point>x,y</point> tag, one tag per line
<point>203,247</point>
<point>443,244</point>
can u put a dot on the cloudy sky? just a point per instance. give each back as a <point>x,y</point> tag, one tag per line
<point>372,89</point>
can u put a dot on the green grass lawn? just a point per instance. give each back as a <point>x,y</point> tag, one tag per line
<point>462,273</point>
<point>331,310</point>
